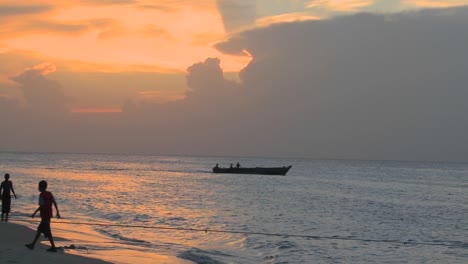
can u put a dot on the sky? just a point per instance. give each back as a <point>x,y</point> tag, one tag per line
<point>319,79</point>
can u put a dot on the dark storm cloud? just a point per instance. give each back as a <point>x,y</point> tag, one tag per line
<point>363,86</point>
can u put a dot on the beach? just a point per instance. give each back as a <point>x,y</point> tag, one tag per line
<point>13,237</point>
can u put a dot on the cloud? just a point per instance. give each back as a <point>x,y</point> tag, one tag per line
<point>96,110</point>
<point>237,13</point>
<point>19,10</point>
<point>56,27</point>
<point>43,96</point>
<point>38,120</point>
<point>152,30</point>
<point>241,15</point>
<point>29,26</point>
<point>10,115</point>
<point>293,17</point>
<point>52,106</point>
<point>202,77</point>
<point>164,8</point>
<point>106,26</point>
<point>110,29</point>
<point>435,3</point>
<point>197,124</point>
<point>40,69</point>
<point>107,2</point>
<point>340,5</point>
<point>363,86</point>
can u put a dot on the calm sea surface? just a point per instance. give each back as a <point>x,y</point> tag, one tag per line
<point>321,212</point>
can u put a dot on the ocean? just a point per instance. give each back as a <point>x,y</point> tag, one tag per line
<point>322,211</point>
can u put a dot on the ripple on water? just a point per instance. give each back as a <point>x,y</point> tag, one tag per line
<point>199,256</point>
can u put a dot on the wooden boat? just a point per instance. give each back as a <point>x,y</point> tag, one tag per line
<point>257,170</point>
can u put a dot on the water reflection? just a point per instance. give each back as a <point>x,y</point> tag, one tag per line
<point>370,200</point>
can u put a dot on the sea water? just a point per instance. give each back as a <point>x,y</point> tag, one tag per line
<point>323,211</point>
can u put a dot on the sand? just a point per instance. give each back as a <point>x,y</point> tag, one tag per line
<point>13,237</point>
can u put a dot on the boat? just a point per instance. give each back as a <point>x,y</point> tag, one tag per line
<point>257,170</point>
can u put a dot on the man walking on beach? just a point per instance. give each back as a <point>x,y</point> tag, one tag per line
<point>5,188</point>
<point>46,199</point>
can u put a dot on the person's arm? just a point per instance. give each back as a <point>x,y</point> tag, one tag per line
<point>56,208</point>
<point>35,212</point>
<point>13,191</point>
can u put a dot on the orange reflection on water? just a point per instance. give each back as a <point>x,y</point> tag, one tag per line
<point>157,199</point>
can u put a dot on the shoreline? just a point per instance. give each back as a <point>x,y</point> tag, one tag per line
<point>13,238</point>
<point>15,234</point>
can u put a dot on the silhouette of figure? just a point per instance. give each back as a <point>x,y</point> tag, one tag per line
<point>217,166</point>
<point>5,188</point>
<point>237,165</point>
<point>46,199</point>
<point>230,166</point>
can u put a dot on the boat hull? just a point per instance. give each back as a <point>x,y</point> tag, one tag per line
<point>256,170</point>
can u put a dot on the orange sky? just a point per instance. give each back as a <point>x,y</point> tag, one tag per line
<point>164,33</point>
<point>121,34</point>
<point>164,36</point>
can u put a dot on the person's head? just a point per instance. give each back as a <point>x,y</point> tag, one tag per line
<point>7,176</point>
<point>42,186</point>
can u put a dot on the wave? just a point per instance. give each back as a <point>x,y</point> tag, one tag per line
<point>199,256</point>
<point>122,238</point>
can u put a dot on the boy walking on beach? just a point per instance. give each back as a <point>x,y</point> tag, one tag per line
<point>6,188</point>
<point>46,199</point>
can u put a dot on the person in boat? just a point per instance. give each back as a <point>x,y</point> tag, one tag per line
<point>217,166</point>
<point>237,165</point>
<point>230,166</point>
<point>6,188</point>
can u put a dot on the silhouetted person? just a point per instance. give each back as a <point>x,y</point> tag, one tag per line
<point>46,199</point>
<point>237,165</point>
<point>217,166</point>
<point>5,194</point>
<point>230,166</point>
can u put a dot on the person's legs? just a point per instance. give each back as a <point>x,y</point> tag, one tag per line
<point>6,204</point>
<point>38,234</point>
<point>44,228</point>
<point>52,244</point>
<point>41,229</point>
<point>51,240</point>
<point>3,208</point>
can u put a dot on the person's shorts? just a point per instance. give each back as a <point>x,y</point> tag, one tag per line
<point>44,228</point>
